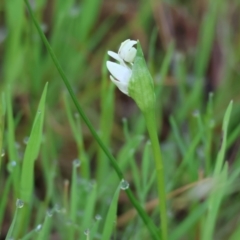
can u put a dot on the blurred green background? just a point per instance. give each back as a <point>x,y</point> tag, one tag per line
<point>192,49</point>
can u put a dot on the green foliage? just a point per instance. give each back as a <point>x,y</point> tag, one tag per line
<point>85,137</point>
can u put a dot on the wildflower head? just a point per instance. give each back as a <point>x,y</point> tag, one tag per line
<point>131,74</point>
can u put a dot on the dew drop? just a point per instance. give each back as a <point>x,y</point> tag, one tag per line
<point>98,217</point>
<point>87,232</point>
<point>19,203</point>
<point>3,153</point>
<point>76,163</point>
<point>196,113</point>
<point>124,184</point>
<point>39,112</point>
<point>25,140</point>
<point>11,165</point>
<point>38,228</point>
<point>57,208</point>
<point>49,212</point>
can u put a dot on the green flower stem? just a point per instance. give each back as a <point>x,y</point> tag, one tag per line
<point>148,222</point>
<point>150,118</point>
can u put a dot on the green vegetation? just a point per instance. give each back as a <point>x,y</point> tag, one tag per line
<point>76,160</point>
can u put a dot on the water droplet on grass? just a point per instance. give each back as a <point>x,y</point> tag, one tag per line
<point>76,163</point>
<point>87,232</point>
<point>57,208</point>
<point>124,185</point>
<point>19,203</point>
<point>38,227</point>
<point>11,165</point>
<point>98,217</point>
<point>49,212</point>
<point>196,113</point>
<point>3,153</point>
<point>25,140</point>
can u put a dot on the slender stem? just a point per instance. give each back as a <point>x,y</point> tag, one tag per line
<point>148,222</point>
<point>150,119</point>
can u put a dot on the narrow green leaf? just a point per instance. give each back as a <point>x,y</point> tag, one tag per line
<point>111,216</point>
<point>32,151</point>
<point>221,153</point>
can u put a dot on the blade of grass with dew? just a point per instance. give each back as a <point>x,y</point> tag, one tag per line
<point>95,227</point>
<point>32,151</point>
<point>77,133</point>
<point>27,172</point>
<point>45,228</point>
<point>30,235</point>
<point>142,213</point>
<point>111,216</point>
<point>19,208</point>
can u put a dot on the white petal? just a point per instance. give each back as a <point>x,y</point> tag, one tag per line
<point>126,51</point>
<point>123,87</point>
<point>119,72</point>
<point>116,57</point>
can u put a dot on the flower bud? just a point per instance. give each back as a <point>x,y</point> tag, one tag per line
<point>140,86</point>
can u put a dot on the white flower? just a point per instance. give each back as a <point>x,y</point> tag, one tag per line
<point>121,72</point>
<point>126,51</point>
